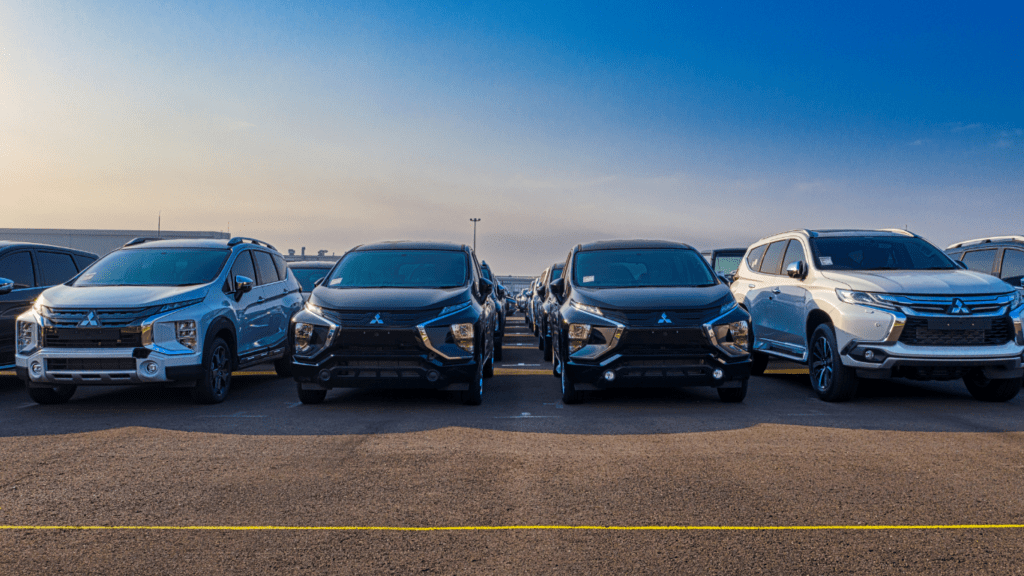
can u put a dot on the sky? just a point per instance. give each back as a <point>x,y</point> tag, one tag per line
<point>328,125</point>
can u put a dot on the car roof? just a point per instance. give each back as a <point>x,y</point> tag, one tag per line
<point>838,233</point>
<point>997,240</point>
<point>179,243</point>
<point>412,245</point>
<point>628,244</point>
<point>11,244</point>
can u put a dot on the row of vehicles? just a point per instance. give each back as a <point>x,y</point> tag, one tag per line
<point>851,304</point>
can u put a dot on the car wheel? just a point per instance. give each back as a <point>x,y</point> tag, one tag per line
<point>569,393</point>
<point>733,394</point>
<point>991,389</point>
<point>475,395</point>
<point>213,386</point>
<point>310,396</point>
<point>489,368</point>
<point>547,348</point>
<point>54,395</point>
<point>832,381</point>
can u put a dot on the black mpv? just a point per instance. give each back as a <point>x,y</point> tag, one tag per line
<point>639,313</point>
<point>397,315</point>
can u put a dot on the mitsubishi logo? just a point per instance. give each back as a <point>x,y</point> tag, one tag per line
<point>90,320</point>
<point>376,319</point>
<point>664,319</point>
<point>958,307</point>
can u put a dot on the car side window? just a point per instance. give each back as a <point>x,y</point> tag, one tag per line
<point>282,266</point>
<point>980,260</point>
<point>795,253</point>
<point>772,262</point>
<point>265,267</point>
<point>754,258</point>
<point>242,267</point>
<point>1013,267</point>
<point>56,268</point>
<point>17,268</point>
<point>83,262</point>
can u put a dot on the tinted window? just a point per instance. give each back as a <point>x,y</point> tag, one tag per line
<point>243,267</point>
<point>1013,267</point>
<point>17,268</point>
<point>83,261</point>
<point>155,267</point>
<point>401,269</point>
<point>754,258</point>
<point>641,268</point>
<point>727,264</point>
<point>980,260</point>
<point>265,267</point>
<point>879,253</point>
<point>307,276</point>
<point>556,273</point>
<point>772,263</point>
<point>794,253</point>
<point>56,268</point>
<point>282,267</point>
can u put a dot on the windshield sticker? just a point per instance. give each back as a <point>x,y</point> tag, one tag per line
<point>825,260</point>
<point>87,277</point>
<point>335,281</point>
<point>588,279</point>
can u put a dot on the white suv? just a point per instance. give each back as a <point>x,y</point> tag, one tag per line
<point>879,304</point>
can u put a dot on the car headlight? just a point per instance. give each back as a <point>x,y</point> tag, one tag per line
<point>579,334</point>
<point>28,336</point>
<point>865,299</point>
<point>310,338</point>
<point>586,308</point>
<point>1016,299</point>
<point>732,338</point>
<point>463,336</point>
<point>185,332</point>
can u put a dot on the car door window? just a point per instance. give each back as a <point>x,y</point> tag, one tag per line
<point>282,267</point>
<point>17,268</point>
<point>980,260</point>
<point>265,267</point>
<point>83,262</point>
<point>795,253</point>
<point>754,258</point>
<point>1013,267</point>
<point>243,267</point>
<point>772,262</point>
<point>56,268</point>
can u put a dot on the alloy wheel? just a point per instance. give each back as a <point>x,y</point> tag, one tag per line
<point>822,369</point>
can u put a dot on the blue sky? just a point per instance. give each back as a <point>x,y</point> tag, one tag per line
<point>328,125</point>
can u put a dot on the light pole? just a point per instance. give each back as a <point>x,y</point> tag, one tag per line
<point>474,221</point>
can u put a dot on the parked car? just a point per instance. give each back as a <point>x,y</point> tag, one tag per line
<point>522,301</point>
<point>159,312</point>
<point>397,315</point>
<point>1000,256</point>
<point>531,305</point>
<point>725,261</point>
<point>308,272</point>
<point>878,304</point>
<point>646,313</point>
<point>498,299</point>
<point>546,308</point>
<point>26,270</point>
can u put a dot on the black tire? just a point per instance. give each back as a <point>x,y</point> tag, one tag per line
<point>54,395</point>
<point>758,363</point>
<point>489,368</point>
<point>548,353</point>
<point>832,381</point>
<point>213,386</point>
<point>310,396</point>
<point>991,389</point>
<point>497,348</point>
<point>570,395</point>
<point>475,395</point>
<point>733,394</point>
<point>283,367</point>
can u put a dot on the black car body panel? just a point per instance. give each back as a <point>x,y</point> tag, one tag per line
<point>307,272</point>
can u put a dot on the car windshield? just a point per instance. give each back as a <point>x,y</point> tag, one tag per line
<point>401,269</point>
<point>727,264</point>
<point>556,273</point>
<point>642,268</point>
<point>155,267</point>
<point>307,276</point>
<point>878,253</point>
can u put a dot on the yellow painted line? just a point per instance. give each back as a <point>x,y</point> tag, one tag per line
<point>881,527</point>
<point>8,373</point>
<point>255,373</point>
<point>787,371</point>
<point>521,372</point>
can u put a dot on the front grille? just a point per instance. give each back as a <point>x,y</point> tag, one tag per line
<point>917,333</point>
<point>686,317</point>
<point>91,364</point>
<point>356,342</point>
<point>940,305</point>
<point>105,317</point>
<point>91,338</point>
<point>381,318</point>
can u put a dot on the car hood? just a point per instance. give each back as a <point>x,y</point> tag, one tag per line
<point>387,298</point>
<point>654,298</point>
<point>64,296</point>
<point>924,282</point>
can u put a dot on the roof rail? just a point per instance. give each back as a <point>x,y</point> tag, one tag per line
<point>988,240</point>
<point>900,231</point>
<point>239,239</point>
<point>141,240</point>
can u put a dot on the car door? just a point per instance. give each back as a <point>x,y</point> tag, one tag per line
<point>790,302</point>
<point>18,267</point>
<point>761,292</point>
<point>247,307</point>
<point>273,301</point>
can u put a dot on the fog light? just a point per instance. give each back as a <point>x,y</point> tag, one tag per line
<point>869,354</point>
<point>325,375</point>
<point>609,376</point>
<point>433,376</point>
<point>36,368</point>
<point>718,374</point>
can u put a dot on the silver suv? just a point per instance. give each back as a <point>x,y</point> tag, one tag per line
<point>879,304</point>
<point>160,311</point>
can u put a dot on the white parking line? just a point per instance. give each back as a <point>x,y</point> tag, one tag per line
<point>235,415</point>
<point>29,405</point>
<point>523,415</point>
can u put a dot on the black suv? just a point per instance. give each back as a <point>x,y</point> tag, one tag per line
<point>647,313</point>
<point>498,298</point>
<point>26,269</point>
<point>397,315</point>
<point>546,307</point>
<point>1000,256</point>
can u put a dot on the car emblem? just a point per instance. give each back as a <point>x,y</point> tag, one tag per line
<point>664,319</point>
<point>90,320</point>
<point>959,308</point>
<point>376,319</point>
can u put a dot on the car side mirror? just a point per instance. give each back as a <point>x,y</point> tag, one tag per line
<point>558,287</point>
<point>319,281</point>
<point>797,270</point>
<point>486,287</point>
<point>243,284</point>
<point>6,286</point>
<point>542,291</point>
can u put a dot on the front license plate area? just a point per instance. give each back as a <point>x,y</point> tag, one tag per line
<point>959,323</point>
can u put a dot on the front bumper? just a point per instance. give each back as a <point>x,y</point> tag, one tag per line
<point>106,367</point>
<point>935,362</point>
<point>623,370</point>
